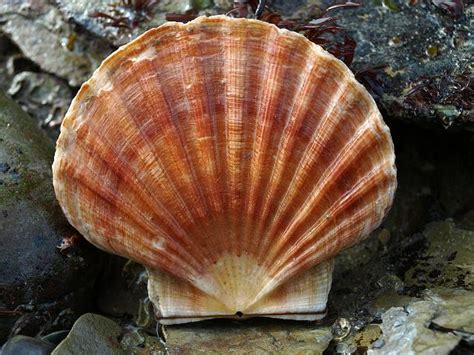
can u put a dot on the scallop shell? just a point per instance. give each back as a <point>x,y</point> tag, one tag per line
<point>231,158</point>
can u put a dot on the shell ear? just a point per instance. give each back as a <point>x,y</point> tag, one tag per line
<point>177,301</point>
<point>302,298</point>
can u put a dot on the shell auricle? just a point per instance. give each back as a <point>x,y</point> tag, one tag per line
<point>233,160</point>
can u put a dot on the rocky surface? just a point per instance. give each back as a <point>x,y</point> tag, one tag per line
<point>46,271</point>
<point>21,344</point>
<point>118,22</point>
<point>43,96</point>
<point>56,47</point>
<point>92,334</point>
<point>423,54</point>
<point>265,336</point>
<point>405,331</point>
<point>428,74</point>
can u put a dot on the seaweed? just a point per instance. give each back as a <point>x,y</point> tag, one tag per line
<point>370,77</point>
<point>321,29</point>
<point>127,14</point>
<point>444,89</point>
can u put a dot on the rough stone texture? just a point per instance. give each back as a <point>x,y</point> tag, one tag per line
<point>405,332</point>
<point>41,286</point>
<point>92,334</point>
<point>6,47</point>
<point>44,97</point>
<point>441,49</point>
<point>261,336</point>
<point>26,346</point>
<point>389,32</point>
<point>448,259</point>
<point>80,11</point>
<point>455,309</point>
<point>55,46</point>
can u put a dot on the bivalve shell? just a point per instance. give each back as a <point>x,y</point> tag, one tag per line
<point>231,158</point>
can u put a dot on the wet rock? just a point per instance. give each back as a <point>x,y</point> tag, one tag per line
<point>266,336</point>
<point>366,337</point>
<point>428,70</point>
<point>55,46</point>
<point>372,277</point>
<point>44,97</point>
<point>42,287</point>
<point>136,341</point>
<point>27,346</point>
<point>55,337</point>
<point>7,49</point>
<point>92,334</point>
<point>448,259</point>
<point>119,22</point>
<point>405,331</point>
<point>455,310</point>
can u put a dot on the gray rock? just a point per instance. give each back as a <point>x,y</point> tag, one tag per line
<point>427,54</point>
<point>44,97</point>
<point>405,331</point>
<point>7,49</point>
<point>92,15</point>
<point>434,325</point>
<point>26,346</point>
<point>55,46</point>
<point>263,336</point>
<point>449,256</point>
<point>136,341</point>
<point>91,334</point>
<point>455,309</point>
<point>41,286</point>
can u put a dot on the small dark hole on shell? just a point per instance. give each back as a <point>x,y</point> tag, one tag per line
<point>239,314</point>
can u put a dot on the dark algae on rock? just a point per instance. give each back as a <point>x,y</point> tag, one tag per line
<point>41,288</point>
<point>414,56</point>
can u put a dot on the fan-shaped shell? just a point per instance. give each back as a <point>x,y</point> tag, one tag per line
<point>229,157</point>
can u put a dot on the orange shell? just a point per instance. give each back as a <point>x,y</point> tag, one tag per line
<point>233,159</point>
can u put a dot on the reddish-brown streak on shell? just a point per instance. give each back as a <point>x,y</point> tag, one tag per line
<point>228,157</point>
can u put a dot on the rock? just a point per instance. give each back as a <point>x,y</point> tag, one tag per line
<point>24,345</point>
<point>55,337</point>
<point>55,46</point>
<point>92,334</point>
<point>433,325</point>
<point>426,79</point>
<point>405,331</point>
<point>42,287</point>
<point>366,337</point>
<point>262,335</point>
<point>7,49</point>
<point>371,277</point>
<point>448,259</point>
<point>44,97</point>
<point>93,16</point>
<point>428,71</point>
<point>455,309</point>
<point>136,341</point>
